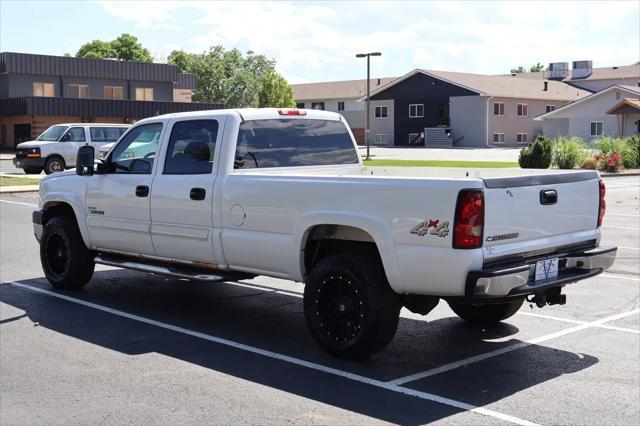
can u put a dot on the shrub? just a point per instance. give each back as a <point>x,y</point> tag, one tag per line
<point>634,141</point>
<point>627,148</point>
<point>590,163</point>
<point>537,155</point>
<point>568,153</point>
<point>610,162</point>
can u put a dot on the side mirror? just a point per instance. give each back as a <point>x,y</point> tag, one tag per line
<point>84,161</point>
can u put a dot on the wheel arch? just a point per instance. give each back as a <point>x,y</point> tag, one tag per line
<point>353,230</point>
<point>65,205</point>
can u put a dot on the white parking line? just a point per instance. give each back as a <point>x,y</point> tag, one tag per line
<point>627,228</point>
<point>621,214</point>
<point>620,277</point>
<point>571,321</point>
<point>628,248</point>
<point>285,358</point>
<point>21,204</point>
<point>507,349</point>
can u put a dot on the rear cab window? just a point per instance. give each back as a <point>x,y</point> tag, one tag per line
<point>293,143</point>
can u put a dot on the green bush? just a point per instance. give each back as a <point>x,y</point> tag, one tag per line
<point>537,155</point>
<point>568,153</point>
<point>627,147</point>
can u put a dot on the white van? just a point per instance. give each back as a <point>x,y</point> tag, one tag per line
<point>56,148</point>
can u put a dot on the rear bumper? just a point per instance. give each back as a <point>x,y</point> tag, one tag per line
<point>519,280</point>
<point>21,163</point>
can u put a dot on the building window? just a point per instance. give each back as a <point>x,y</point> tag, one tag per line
<point>522,110</point>
<point>498,108</point>
<point>317,105</point>
<point>43,89</point>
<point>78,91</point>
<point>498,138</point>
<point>340,106</point>
<point>550,108</point>
<point>617,96</point>
<point>380,111</point>
<point>380,139</point>
<point>144,94</point>
<point>596,128</point>
<point>416,110</point>
<point>112,92</point>
<point>521,138</point>
<point>300,105</point>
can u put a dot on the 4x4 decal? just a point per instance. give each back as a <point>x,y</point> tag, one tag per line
<point>437,228</point>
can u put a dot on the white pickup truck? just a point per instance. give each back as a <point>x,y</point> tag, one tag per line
<point>231,194</point>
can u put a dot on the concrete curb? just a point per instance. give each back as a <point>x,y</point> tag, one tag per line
<point>18,189</point>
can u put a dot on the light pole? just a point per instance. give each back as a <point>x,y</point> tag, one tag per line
<point>367,137</point>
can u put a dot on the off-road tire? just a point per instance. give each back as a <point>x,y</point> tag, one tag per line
<point>486,314</point>
<point>54,165</point>
<point>32,170</point>
<point>66,261</point>
<point>350,309</point>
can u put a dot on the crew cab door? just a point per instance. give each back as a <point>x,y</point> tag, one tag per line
<point>118,202</point>
<point>182,195</point>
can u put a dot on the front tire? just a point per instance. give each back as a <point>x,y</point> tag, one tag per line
<point>486,314</point>
<point>54,165</point>
<point>66,261</point>
<point>349,307</point>
<point>32,170</point>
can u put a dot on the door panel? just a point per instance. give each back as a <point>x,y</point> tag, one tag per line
<point>182,195</point>
<point>118,202</point>
<point>117,218</point>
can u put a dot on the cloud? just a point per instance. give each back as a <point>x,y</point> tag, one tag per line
<point>318,41</point>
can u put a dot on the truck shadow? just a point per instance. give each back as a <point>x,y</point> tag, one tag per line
<point>273,321</point>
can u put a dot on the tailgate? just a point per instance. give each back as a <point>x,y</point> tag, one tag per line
<point>520,209</point>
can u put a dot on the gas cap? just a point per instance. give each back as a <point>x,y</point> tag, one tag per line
<point>237,215</point>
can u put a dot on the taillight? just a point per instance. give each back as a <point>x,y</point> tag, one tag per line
<point>469,219</point>
<point>603,205</point>
<point>292,112</point>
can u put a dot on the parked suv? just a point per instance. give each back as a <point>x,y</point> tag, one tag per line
<point>56,148</point>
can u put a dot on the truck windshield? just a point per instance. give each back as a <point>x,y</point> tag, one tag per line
<point>52,134</point>
<point>293,142</point>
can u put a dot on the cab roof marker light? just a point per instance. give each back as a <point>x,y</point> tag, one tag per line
<point>292,112</point>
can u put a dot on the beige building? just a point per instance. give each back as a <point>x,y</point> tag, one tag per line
<point>341,97</point>
<point>610,112</point>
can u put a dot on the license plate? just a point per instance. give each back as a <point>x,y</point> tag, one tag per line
<point>546,269</point>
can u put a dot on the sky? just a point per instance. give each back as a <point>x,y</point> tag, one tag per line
<point>317,41</point>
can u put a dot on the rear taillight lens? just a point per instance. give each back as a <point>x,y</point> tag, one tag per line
<point>469,220</point>
<point>603,205</point>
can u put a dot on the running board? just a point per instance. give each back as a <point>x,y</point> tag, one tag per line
<point>184,273</point>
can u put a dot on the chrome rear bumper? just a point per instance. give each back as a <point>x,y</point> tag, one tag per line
<point>519,280</point>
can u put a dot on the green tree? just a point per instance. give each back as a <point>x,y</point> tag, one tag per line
<point>537,67</point>
<point>126,48</point>
<point>517,70</point>
<point>234,79</point>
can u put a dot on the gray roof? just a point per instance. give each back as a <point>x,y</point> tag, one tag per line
<point>624,72</point>
<point>348,89</point>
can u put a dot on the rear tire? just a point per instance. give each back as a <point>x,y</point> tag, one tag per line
<point>486,314</point>
<point>32,170</point>
<point>66,261</point>
<point>350,309</point>
<point>54,165</point>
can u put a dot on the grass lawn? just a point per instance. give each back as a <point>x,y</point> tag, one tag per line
<point>440,163</point>
<point>16,181</point>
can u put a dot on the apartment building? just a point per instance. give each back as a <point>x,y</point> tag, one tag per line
<point>37,91</point>
<point>442,108</point>
<point>339,96</point>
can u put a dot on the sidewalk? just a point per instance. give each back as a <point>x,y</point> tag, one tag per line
<point>17,189</point>
<point>6,156</point>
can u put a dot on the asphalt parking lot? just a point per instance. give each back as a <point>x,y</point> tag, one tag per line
<point>136,348</point>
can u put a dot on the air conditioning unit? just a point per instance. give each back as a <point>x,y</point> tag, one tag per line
<point>582,69</point>
<point>558,70</point>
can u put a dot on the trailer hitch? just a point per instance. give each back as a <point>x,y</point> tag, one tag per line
<point>549,297</point>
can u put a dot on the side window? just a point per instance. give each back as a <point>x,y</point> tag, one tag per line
<point>105,134</point>
<point>75,134</point>
<point>136,151</point>
<point>191,148</point>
